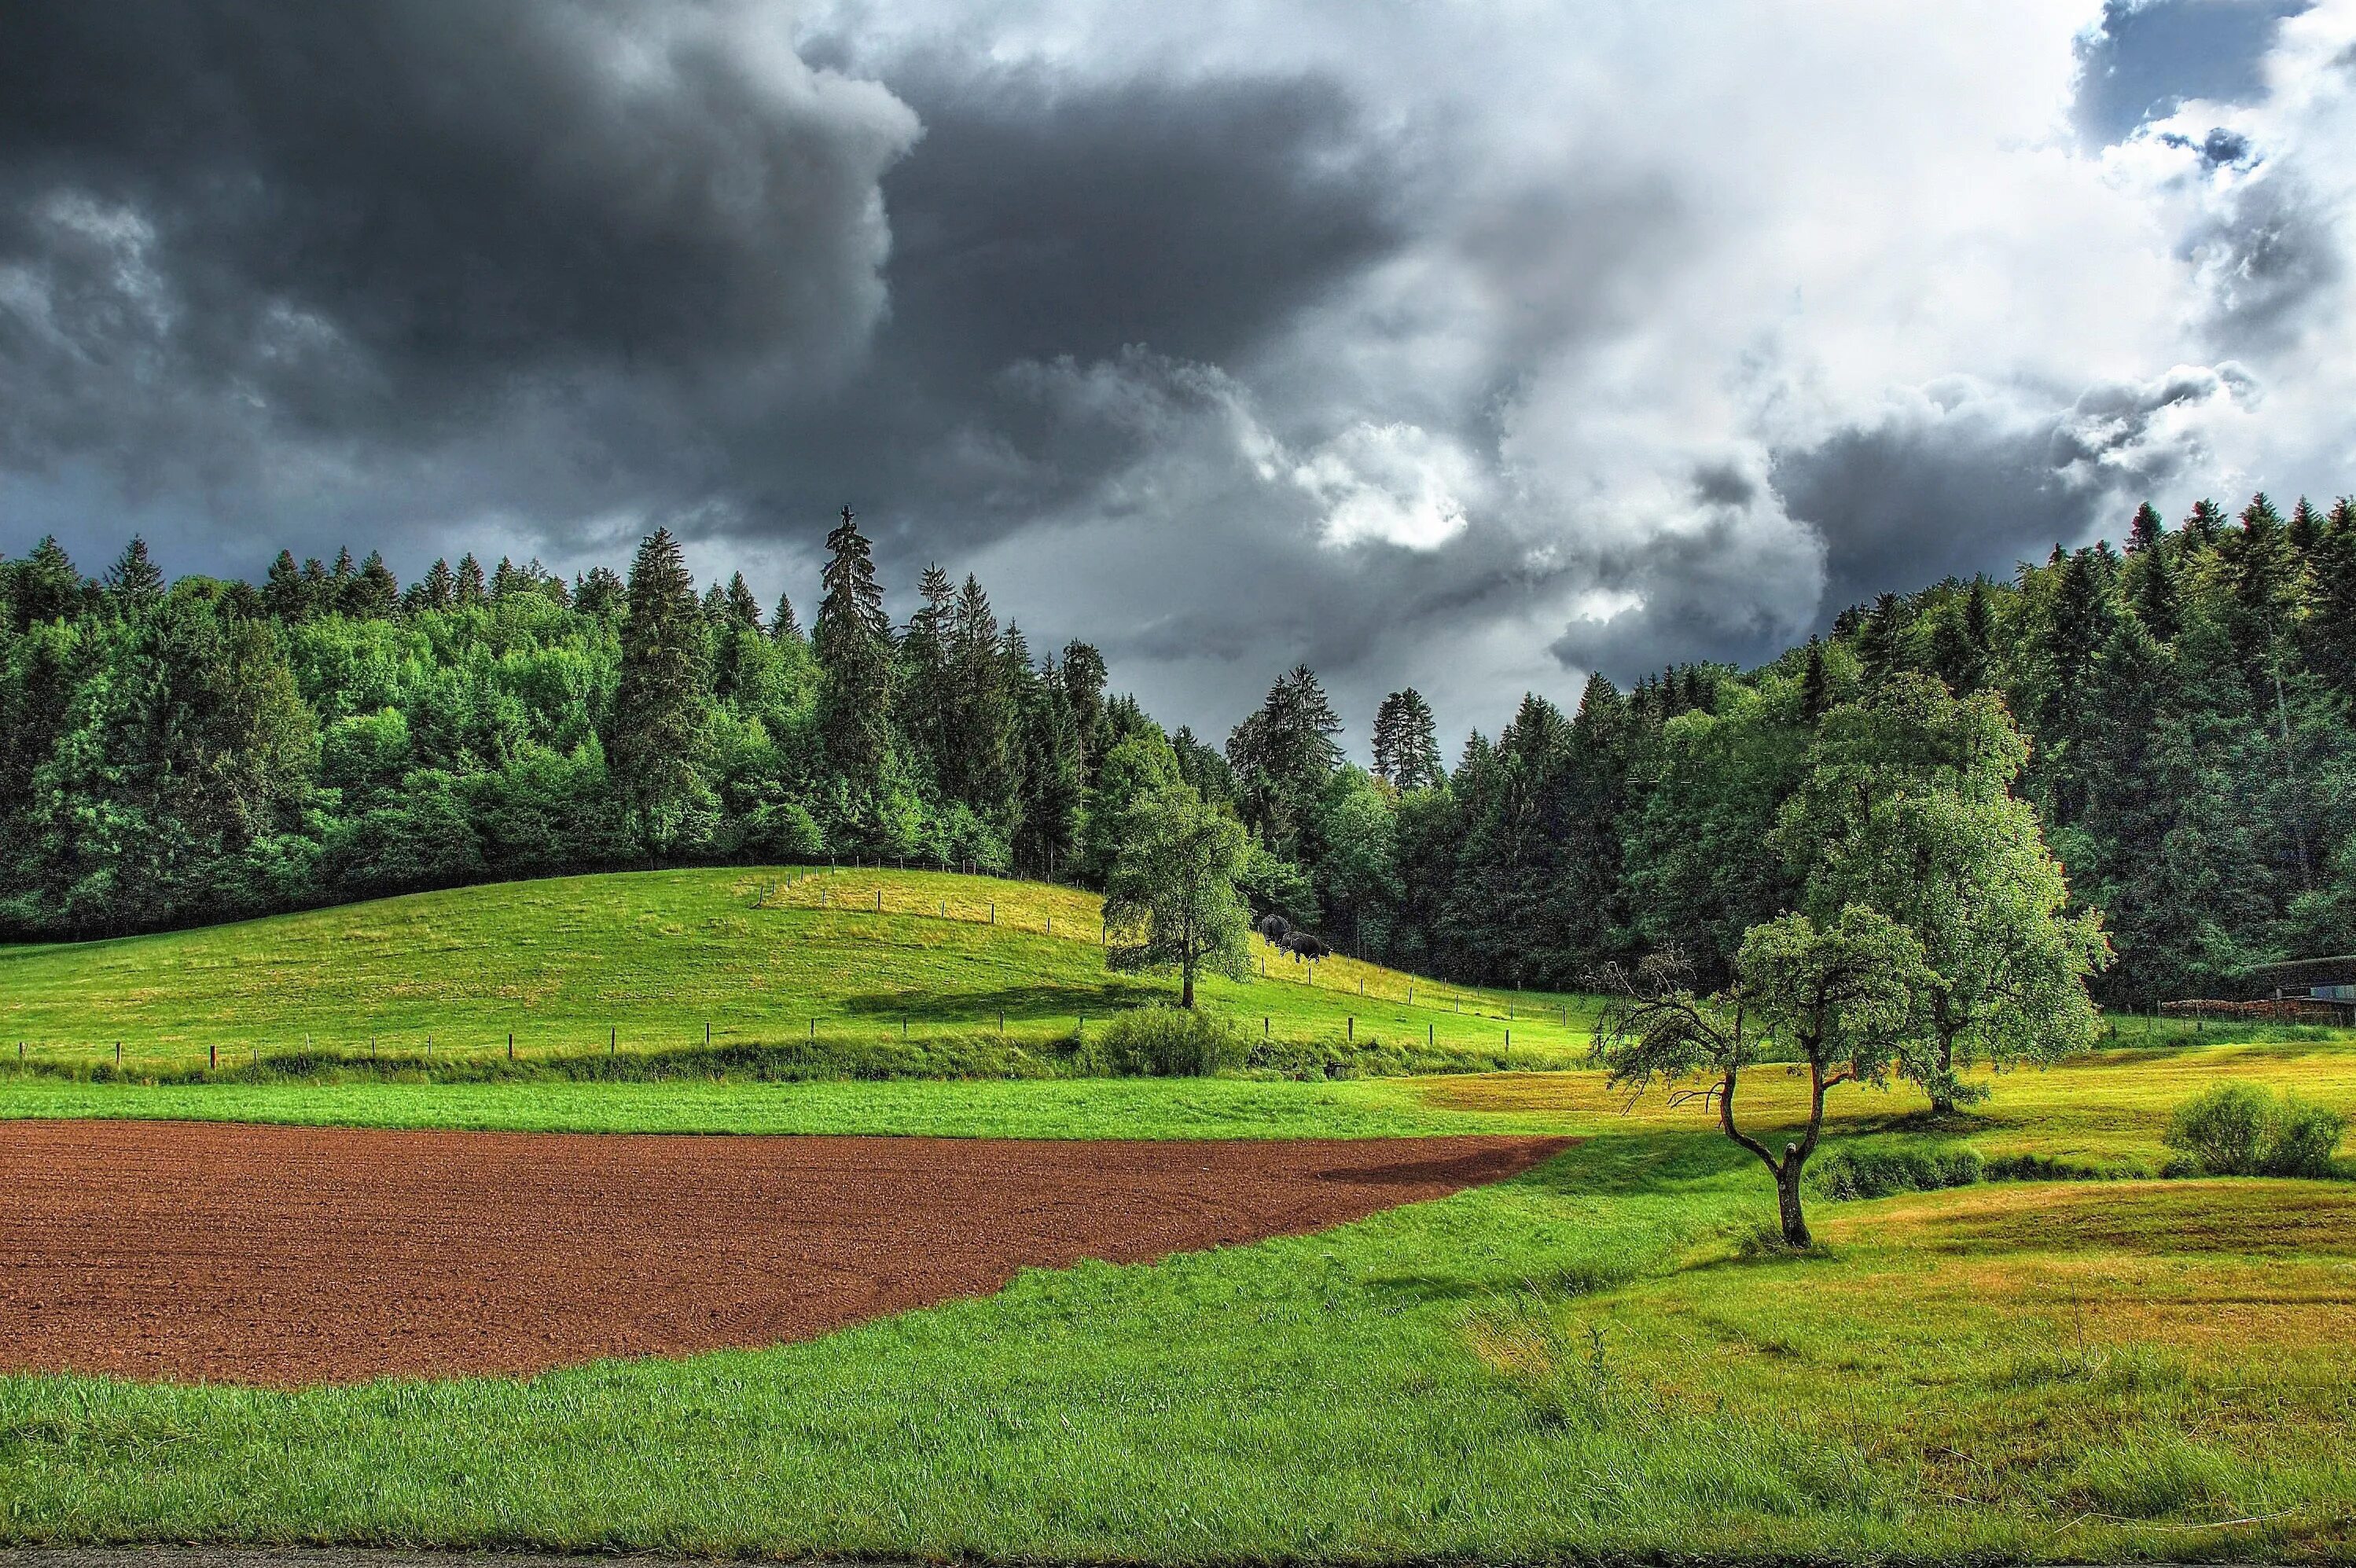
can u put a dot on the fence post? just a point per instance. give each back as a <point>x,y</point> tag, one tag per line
<point>510,1045</point>
<point>118,1051</point>
<point>212,1056</point>
<point>1430,1030</point>
<point>612,1042</point>
<point>1354,1026</point>
<point>1001,1023</point>
<point>1263,1027</point>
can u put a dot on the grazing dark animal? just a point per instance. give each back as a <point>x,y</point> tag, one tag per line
<point>1300,945</point>
<point>1274,926</point>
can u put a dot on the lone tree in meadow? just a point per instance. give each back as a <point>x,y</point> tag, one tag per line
<point>1170,900</point>
<point>1907,809</point>
<point>1833,1003</point>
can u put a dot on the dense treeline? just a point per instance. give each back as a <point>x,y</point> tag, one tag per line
<point>191,751</point>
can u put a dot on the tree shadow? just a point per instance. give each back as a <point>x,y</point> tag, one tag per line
<point>1017,1003</point>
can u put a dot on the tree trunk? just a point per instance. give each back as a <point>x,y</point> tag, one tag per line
<point>1943,1091</point>
<point>1787,1199</point>
<point>1186,986</point>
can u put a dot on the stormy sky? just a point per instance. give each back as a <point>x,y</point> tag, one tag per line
<point>1470,345</point>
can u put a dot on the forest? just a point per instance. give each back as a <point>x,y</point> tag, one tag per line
<point>187,751</point>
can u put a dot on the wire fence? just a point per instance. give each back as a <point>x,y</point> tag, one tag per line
<point>1270,963</point>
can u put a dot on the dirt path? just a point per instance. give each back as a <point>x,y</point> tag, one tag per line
<point>286,1255</point>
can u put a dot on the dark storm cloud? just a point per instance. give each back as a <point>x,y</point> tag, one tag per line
<point>1965,479</point>
<point>364,219</point>
<point>2149,56</point>
<point>1041,222</point>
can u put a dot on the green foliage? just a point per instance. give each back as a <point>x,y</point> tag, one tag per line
<point>1161,1042</point>
<point>1842,1174</point>
<point>2239,1129</point>
<point>1171,900</point>
<point>661,703</point>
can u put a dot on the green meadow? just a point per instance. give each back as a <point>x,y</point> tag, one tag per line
<point>1608,1357</point>
<point>646,961</point>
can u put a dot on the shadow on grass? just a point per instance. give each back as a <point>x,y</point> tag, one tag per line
<point>1027,1004</point>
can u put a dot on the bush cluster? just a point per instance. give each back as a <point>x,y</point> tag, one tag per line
<point>2239,1129</point>
<point>1876,1173</point>
<point>1159,1043</point>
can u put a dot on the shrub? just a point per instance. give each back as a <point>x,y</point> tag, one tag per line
<point>2238,1129</point>
<point>1876,1173</point>
<point>1161,1042</point>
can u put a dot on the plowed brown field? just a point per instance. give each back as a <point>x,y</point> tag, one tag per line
<point>287,1255</point>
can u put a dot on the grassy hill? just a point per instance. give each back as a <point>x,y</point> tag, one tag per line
<point>649,961</point>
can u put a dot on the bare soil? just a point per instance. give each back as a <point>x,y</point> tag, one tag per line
<point>289,1255</point>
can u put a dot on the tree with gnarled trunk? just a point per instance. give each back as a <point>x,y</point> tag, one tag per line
<point>1833,1002</point>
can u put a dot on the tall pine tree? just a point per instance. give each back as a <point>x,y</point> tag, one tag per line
<point>663,699</point>
<point>853,643</point>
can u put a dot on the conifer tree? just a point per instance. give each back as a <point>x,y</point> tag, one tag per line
<point>743,609</point>
<point>2156,601</point>
<point>374,593</point>
<point>2204,525</point>
<point>2328,631</point>
<point>470,581</point>
<point>1880,640</point>
<point>1406,741</point>
<point>134,582</point>
<point>661,704</point>
<point>924,705</point>
<point>284,593</point>
<point>600,593</point>
<point>1815,684</point>
<point>785,624</point>
<point>853,643</point>
<point>2144,531</point>
<point>2304,529</point>
<point>438,588</point>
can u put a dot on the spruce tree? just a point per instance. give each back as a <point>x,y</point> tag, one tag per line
<point>2144,531</point>
<point>600,593</point>
<point>785,624</point>
<point>134,582</point>
<point>2304,529</point>
<point>2327,630</point>
<point>2204,525</point>
<point>661,702</point>
<point>981,719</point>
<point>470,581</point>
<point>1406,741</point>
<point>1880,648</point>
<point>743,609</point>
<point>374,593</point>
<point>853,643</point>
<point>923,704</point>
<point>438,588</point>
<point>2156,604</point>
<point>1815,684</point>
<point>284,591</point>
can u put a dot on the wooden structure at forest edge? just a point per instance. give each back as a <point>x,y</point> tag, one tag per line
<point>2297,990</point>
